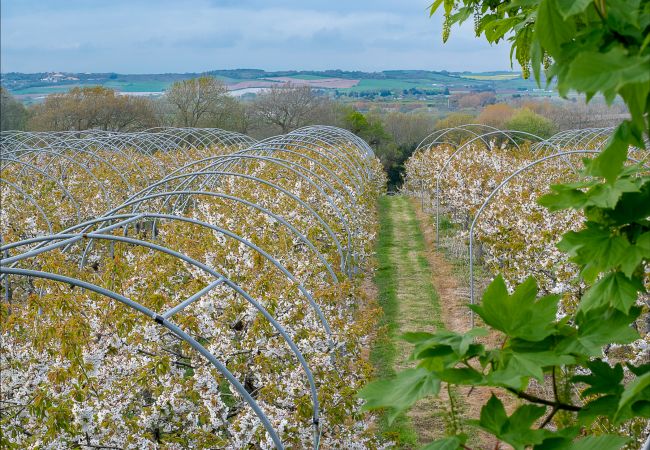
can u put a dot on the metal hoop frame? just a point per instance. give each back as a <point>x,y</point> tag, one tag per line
<point>333,162</point>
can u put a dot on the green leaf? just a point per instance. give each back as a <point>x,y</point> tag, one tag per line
<point>561,439</point>
<point>496,29</point>
<point>551,29</point>
<point>563,197</point>
<point>508,376</point>
<point>636,391</point>
<point>635,96</point>
<point>516,429</point>
<point>610,161</point>
<point>464,375</point>
<point>535,361</point>
<point>607,195</point>
<point>520,360</point>
<point>593,72</point>
<point>401,392</point>
<point>458,342</point>
<point>598,327</point>
<point>636,254</point>
<point>519,314</point>
<point>614,289</point>
<point>568,8</point>
<point>595,249</point>
<point>450,443</point>
<point>632,207</point>
<point>639,370</point>
<point>434,7</point>
<point>601,407</point>
<point>603,379</point>
<point>623,16</point>
<point>493,416</point>
<point>604,442</point>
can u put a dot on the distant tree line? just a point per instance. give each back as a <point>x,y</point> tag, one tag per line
<point>205,102</point>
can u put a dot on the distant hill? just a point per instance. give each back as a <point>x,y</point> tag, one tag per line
<point>38,85</point>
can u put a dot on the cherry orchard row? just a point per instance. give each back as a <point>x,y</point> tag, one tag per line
<point>211,303</point>
<point>488,182</point>
<point>105,167</point>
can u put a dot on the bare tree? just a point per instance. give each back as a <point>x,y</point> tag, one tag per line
<point>287,107</point>
<point>13,115</point>
<point>196,98</point>
<point>92,107</point>
<point>408,129</point>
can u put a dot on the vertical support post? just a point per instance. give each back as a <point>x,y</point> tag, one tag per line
<point>7,284</point>
<point>422,194</point>
<point>437,212</point>
<point>471,271</point>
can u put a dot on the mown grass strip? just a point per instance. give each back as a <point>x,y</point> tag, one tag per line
<point>416,270</point>
<point>383,355</point>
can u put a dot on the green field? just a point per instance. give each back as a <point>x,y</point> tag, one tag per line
<point>137,86</point>
<point>306,77</point>
<point>494,77</point>
<point>378,85</point>
<point>45,90</point>
<point>394,80</point>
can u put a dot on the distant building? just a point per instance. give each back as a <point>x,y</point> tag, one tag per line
<point>56,77</point>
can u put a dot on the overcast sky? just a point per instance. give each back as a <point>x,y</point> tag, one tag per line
<point>153,36</point>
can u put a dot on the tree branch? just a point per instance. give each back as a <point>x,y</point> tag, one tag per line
<point>543,401</point>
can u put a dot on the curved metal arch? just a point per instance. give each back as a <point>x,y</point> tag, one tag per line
<point>175,330</point>
<point>143,143</point>
<point>122,143</point>
<point>273,186</point>
<point>353,150</point>
<point>215,159</point>
<point>77,206</point>
<point>245,153</point>
<point>276,143</point>
<point>496,191</point>
<point>572,139</point>
<point>62,155</point>
<point>448,161</point>
<point>106,143</point>
<point>331,202</point>
<point>143,215</point>
<point>340,144</point>
<point>438,134</point>
<point>318,139</point>
<point>219,278</point>
<point>297,168</point>
<point>68,147</point>
<point>136,203</point>
<point>594,136</point>
<point>31,199</point>
<point>12,141</point>
<point>190,137</point>
<point>84,168</point>
<point>217,135</point>
<point>277,147</point>
<point>340,133</point>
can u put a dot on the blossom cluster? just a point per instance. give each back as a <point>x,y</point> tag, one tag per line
<point>513,234</point>
<point>288,226</point>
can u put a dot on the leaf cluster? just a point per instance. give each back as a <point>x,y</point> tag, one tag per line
<point>593,47</point>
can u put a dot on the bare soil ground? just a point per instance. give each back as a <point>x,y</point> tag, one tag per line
<point>454,298</point>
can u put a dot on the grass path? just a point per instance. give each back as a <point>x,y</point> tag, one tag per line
<point>410,303</point>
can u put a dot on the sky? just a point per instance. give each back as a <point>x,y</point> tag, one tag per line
<point>159,36</point>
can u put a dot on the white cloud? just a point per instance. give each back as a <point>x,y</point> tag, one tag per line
<point>149,36</point>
